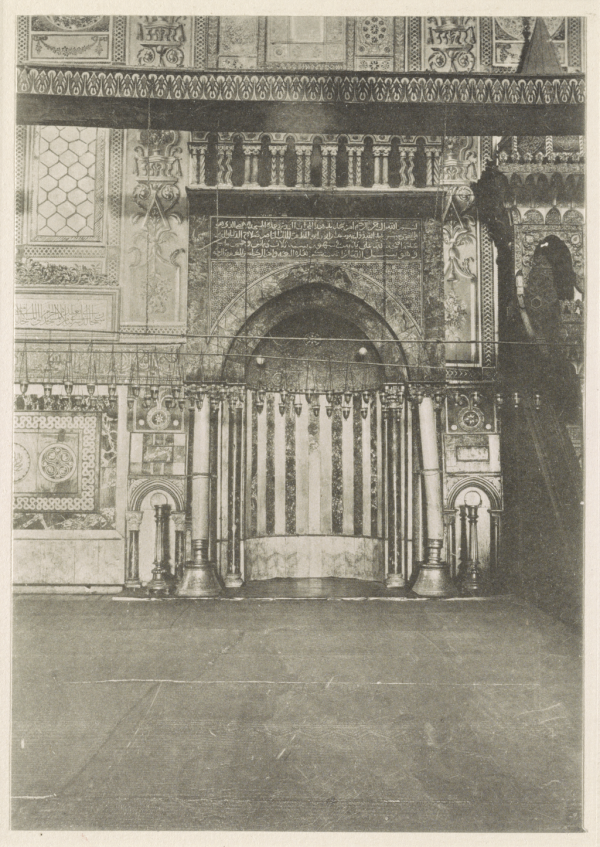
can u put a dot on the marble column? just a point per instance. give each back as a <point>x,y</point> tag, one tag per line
<point>159,582</point>
<point>303,152</point>
<point>394,577</point>
<point>410,177</point>
<point>200,578</point>
<point>433,579</point>
<point>166,531</point>
<point>329,153</point>
<point>354,164</point>
<point>495,515</point>
<point>429,154</point>
<point>381,153</point>
<point>132,576</point>
<point>277,167</point>
<point>450,540</point>
<point>225,163</point>
<point>233,579</point>
<point>463,556</point>
<point>198,156</point>
<point>252,152</point>
<point>179,524</point>
<point>403,177</point>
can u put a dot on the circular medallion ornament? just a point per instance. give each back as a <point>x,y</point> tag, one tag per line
<point>57,462</point>
<point>373,30</point>
<point>158,418</point>
<point>470,419</point>
<point>21,462</point>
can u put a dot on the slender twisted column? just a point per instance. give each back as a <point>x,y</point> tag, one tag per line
<point>433,579</point>
<point>329,153</point>
<point>252,152</point>
<point>225,164</point>
<point>410,177</point>
<point>132,576</point>
<point>197,149</point>
<point>303,152</point>
<point>200,578</point>
<point>381,153</point>
<point>403,177</point>
<point>429,155</point>
<point>198,154</point>
<point>277,151</point>
<point>436,167</point>
<point>354,164</point>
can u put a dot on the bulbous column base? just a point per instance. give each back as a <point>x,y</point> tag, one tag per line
<point>233,580</point>
<point>473,580</point>
<point>395,580</point>
<point>161,582</point>
<point>433,579</point>
<point>199,576</point>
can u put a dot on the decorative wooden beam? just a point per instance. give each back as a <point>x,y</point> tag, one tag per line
<point>383,118</point>
<point>336,87</point>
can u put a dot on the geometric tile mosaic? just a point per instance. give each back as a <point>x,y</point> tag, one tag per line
<point>66,206</point>
<point>157,453</point>
<point>58,461</point>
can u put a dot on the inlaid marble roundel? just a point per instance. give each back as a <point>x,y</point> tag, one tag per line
<point>57,462</point>
<point>21,462</point>
<point>158,418</point>
<point>373,30</point>
<point>470,419</point>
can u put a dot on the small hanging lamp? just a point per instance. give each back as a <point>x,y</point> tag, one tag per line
<point>91,374</point>
<point>23,373</point>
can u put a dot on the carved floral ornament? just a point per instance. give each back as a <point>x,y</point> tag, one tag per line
<point>161,39</point>
<point>451,43</point>
<point>157,169</point>
<point>342,87</point>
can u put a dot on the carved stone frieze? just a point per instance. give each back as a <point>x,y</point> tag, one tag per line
<point>306,87</point>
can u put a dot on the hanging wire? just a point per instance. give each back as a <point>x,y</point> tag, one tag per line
<point>150,200</point>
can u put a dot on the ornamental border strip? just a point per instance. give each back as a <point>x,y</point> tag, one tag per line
<point>302,87</point>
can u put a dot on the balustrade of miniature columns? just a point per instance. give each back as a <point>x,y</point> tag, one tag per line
<point>545,155</point>
<point>280,160</point>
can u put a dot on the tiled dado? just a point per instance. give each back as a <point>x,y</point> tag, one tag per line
<point>314,556</point>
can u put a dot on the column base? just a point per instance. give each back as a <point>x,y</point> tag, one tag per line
<point>160,582</point>
<point>199,582</point>
<point>473,581</point>
<point>233,580</point>
<point>199,576</point>
<point>433,579</point>
<point>132,583</point>
<point>395,580</point>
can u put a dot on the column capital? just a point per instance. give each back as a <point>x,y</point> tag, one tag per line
<point>134,520</point>
<point>179,519</point>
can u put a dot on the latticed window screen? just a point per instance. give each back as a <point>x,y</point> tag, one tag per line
<point>69,183</point>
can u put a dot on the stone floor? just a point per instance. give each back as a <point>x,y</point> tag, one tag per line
<point>459,715</point>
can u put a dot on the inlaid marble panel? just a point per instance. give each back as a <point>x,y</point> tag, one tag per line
<point>314,557</point>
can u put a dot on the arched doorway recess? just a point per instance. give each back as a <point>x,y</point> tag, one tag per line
<point>312,476</point>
